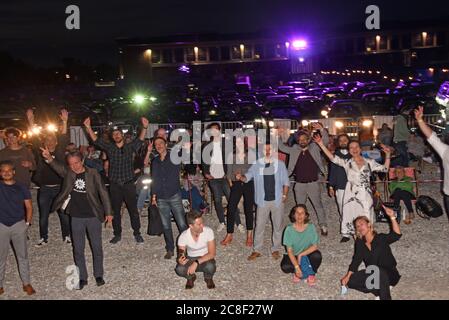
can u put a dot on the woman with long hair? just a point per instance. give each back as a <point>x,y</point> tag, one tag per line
<point>374,251</point>
<point>358,195</point>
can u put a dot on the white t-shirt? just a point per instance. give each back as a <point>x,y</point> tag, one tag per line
<point>196,248</point>
<point>216,166</point>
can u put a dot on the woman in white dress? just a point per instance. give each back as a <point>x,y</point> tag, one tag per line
<point>358,196</point>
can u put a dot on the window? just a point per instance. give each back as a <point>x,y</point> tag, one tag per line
<point>281,51</point>
<point>428,39</point>
<point>179,55</point>
<point>202,54</point>
<point>166,56</point>
<point>225,53</point>
<point>190,54</point>
<point>213,54</point>
<point>383,43</point>
<point>247,52</point>
<point>258,51</point>
<point>235,52</point>
<point>155,56</point>
<point>370,44</point>
<point>417,40</point>
<point>270,51</point>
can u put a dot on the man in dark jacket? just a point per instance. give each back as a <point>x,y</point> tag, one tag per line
<point>85,199</point>
<point>47,179</point>
<point>338,178</point>
<point>214,170</point>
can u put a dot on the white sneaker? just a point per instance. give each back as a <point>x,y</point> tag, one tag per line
<point>67,240</point>
<point>221,227</point>
<point>241,228</point>
<point>42,242</point>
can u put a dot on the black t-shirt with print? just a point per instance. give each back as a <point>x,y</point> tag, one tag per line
<point>79,206</point>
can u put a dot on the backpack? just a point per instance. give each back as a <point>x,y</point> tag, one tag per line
<point>427,207</point>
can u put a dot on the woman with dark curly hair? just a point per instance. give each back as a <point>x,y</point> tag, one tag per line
<point>301,239</point>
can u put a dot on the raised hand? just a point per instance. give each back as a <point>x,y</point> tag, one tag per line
<point>87,122</point>
<point>385,149</point>
<point>388,211</point>
<point>30,115</point>
<point>64,115</point>
<point>46,154</point>
<point>419,112</point>
<point>317,126</point>
<point>317,139</point>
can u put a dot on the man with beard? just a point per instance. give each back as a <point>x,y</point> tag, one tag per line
<point>121,176</point>
<point>338,179</point>
<point>306,164</point>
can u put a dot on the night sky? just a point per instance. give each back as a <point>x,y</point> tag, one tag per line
<point>34,30</point>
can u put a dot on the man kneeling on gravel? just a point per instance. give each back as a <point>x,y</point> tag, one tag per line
<point>197,249</point>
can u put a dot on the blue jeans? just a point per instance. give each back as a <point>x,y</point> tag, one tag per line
<point>143,195</point>
<point>306,267</point>
<point>166,206</point>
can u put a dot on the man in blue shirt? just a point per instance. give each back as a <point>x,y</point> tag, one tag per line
<point>166,193</point>
<point>271,185</point>
<point>16,212</point>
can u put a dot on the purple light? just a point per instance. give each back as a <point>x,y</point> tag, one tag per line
<point>301,59</point>
<point>299,44</point>
<point>184,68</point>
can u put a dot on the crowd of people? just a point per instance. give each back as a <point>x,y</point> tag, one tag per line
<point>88,186</point>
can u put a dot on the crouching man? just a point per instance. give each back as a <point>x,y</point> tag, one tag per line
<point>196,247</point>
<point>85,199</point>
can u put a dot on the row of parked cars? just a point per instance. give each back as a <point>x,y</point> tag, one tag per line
<point>307,100</point>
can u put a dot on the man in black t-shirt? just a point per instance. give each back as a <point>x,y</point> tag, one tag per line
<point>85,199</point>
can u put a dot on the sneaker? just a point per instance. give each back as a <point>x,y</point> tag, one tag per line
<point>67,240</point>
<point>324,231</point>
<point>241,228</point>
<point>115,240</point>
<point>42,242</point>
<point>169,255</point>
<point>138,238</point>
<point>99,281</point>
<point>221,227</point>
<point>345,239</point>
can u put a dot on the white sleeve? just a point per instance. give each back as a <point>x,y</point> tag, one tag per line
<point>339,161</point>
<point>182,240</point>
<point>436,143</point>
<point>210,235</point>
<point>375,166</point>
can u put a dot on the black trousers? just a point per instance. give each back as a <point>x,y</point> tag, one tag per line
<point>238,190</point>
<point>358,281</point>
<point>45,198</point>
<point>405,196</point>
<point>127,193</point>
<point>446,205</point>
<point>315,259</point>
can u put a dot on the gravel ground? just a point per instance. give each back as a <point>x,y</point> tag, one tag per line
<point>135,271</point>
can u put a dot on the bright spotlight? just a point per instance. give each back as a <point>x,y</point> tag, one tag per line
<point>301,59</point>
<point>299,44</point>
<point>324,113</point>
<point>339,124</point>
<point>36,130</point>
<point>139,98</point>
<point>271,124</point>
<point>305,123</point>
<point>367,123</point>
<point>152,99</point>
<point>51,127</point>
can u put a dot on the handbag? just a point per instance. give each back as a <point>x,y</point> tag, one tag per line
<point>427,207</point>
<point>381,215</point>
<point>155,227</point>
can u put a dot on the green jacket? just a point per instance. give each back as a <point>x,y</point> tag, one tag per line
<point>404,184</point>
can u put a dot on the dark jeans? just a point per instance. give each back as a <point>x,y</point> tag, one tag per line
<point>119,193</point>
<point>220,187</point>
<point>387,278</point>
<point>315,259</point>
<point>238,190</point>
<point>45,199</point>
<point>208,268</point>
<point>166,206</point>
<point>93,228</point>
<point>405,196</point>
<point>402,159</point>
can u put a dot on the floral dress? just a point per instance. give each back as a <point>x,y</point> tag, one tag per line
<point>358,196</point>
